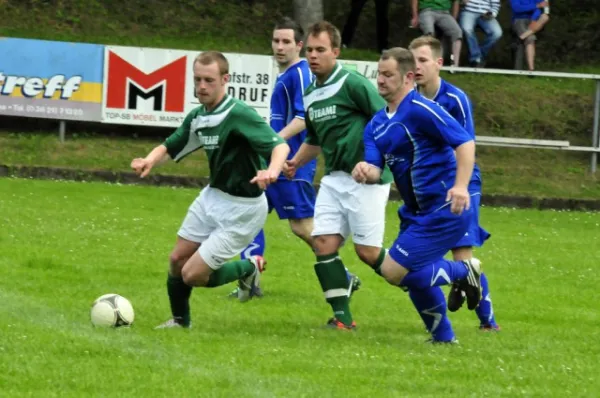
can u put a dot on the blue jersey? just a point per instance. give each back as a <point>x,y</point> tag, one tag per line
<point>287,104</point>
<point>458,104</point>
<point>417,143</point>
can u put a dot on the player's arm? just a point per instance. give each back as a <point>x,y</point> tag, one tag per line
<point>172,148</point>
<point>465,160</point>
<point>440,126</point>
<point>297,125</point>
<point>308,151</point>
<point>365,95</point>
<point>266,142</point>
<point>463,113</point>
<point>369,170</point>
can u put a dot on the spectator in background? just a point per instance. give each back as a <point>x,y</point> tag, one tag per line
<point>382,23</point>
<point>480,13</point>
<point>540,17</point>
<point>429,14</point>
<point>523,14</point>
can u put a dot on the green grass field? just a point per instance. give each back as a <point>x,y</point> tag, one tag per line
<point>63,244</point>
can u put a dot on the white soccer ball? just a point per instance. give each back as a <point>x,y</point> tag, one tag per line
<point>112,310</point>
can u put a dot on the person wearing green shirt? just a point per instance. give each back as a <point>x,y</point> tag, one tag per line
<point>338,105</point>
<point>443,14</point>
<point>233,208</point>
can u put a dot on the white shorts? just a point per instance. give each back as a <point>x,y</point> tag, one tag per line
<point>344,206</point>
<point>223,224</point>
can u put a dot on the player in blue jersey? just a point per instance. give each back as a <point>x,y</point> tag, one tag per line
<point>431,157</point>
<point>428,56</point>
<point>293,200</point>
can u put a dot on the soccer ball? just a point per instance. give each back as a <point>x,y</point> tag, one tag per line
<point>112,310</point>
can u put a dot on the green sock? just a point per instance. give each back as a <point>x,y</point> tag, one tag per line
<point>377,266</point>
<point>179,297</point>
<point>334,281</point>
<point>231,271</point>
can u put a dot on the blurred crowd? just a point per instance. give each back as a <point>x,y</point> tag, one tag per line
<point>456,22</point>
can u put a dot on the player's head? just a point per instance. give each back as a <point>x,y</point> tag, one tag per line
<point>211,74</point>
<point>323,43</point>
<point>287,41</point>
<point>428,55</point>
<point>396,74</point>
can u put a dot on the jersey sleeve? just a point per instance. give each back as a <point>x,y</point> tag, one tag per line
<point>300,83</point>
<point>365,95</point>
<point>183,142</point>
<point>260,135</point>
<point>372,154</point>
<point>463,113</point>
<point>436,123</point>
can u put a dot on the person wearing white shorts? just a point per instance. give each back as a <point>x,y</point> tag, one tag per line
<point>338,105</point>
<point>228,213</point>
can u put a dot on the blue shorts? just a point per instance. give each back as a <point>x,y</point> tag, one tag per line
<point>424,239</point>
<point>476,235</point>
<point>292,199</point>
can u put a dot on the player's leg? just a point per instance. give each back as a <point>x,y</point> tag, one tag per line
<point>194,230</point>
<point>302,228</point>
<point>366,217</point>
<point>240,220</point>
<point>255,248</point>
<point>536,26</point>
<point>420,248</point>
<point>330,230</point>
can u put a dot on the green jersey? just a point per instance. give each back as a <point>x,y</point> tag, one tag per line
<point>336,114</point>
<point>437,5</point>
<point>237,142</point>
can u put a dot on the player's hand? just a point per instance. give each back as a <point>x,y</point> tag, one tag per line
<point>141,166</point>
<point>360,172</point>
<point>543,4</point>
<point>461,200</point>
<point>289,169</point>
<point>264,178</point>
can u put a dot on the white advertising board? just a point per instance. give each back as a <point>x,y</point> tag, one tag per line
<point>155,87</point>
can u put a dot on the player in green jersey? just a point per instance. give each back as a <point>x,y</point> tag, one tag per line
<point>230,211</point>
<point>338,105</point>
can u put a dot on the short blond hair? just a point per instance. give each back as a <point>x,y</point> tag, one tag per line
<point>209,57</point>
<point>432,42</point>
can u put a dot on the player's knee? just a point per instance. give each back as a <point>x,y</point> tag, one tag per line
<point>176,262</point>
<point>462,253</point>
<point>301,230</point>
<point>325,244</point>
<point>367,254</point>
<point>192,278</point>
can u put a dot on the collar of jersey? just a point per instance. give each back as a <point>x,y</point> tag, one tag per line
<point>226,99</point>
<point>336,70</point>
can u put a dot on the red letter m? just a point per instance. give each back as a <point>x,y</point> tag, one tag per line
<point>169,79</point>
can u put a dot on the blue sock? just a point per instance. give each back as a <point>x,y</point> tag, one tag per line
<point>441,272</point>
<point>485,311</point>
<point>431,306</point>
<point>256,248</point>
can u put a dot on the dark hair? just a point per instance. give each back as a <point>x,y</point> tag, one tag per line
<point>208,57</point>
<point>324,26</point>
<point>289,23</point>
<point>404,58</point>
